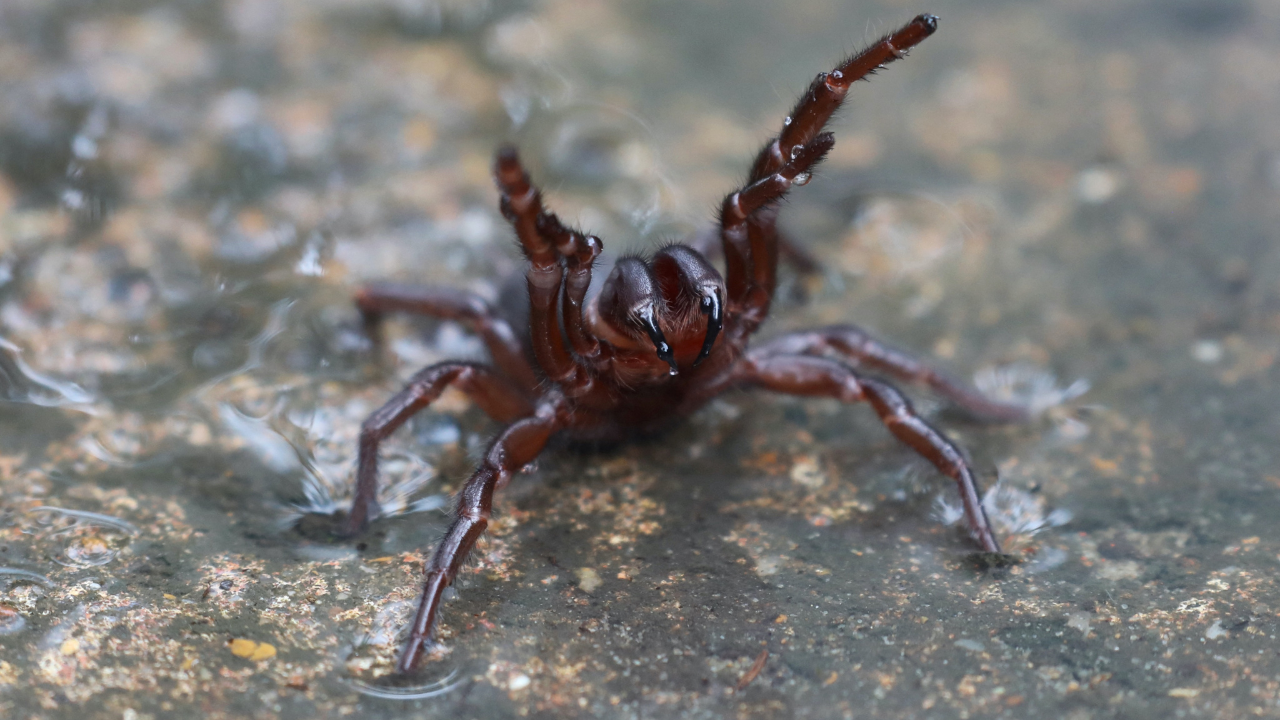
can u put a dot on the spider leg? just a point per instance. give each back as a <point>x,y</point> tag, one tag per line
<point>491,391</point>
<point>757,251</point>
<point>827,93</point>
<point>855,346</point>
<point>578,252</point>
<point>762,238</point>
<point>516,447</point>
<point>822,377</point>
<point>522,205</point>
<point>747,230</point>
<point>377,299</point>
<point>768,244</point>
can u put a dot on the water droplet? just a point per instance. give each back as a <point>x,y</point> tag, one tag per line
<point>84,147</point>
<point>802,179</point>
<point>836,75</point>
<point>795,151</point>
<point>73,199</point>
<point>786,121</point>
<point>11,621</point>
<point>90,551</point>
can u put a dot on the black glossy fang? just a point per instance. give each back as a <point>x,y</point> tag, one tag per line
<point>650,324</point>
<point>714,310</point>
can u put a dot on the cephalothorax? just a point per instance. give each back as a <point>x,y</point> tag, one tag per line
<point>658,341</point>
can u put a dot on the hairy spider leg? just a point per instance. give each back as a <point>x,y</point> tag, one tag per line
<point>505,347</point>
<point>761,246</point>
<point>855,346</point>
<point>521,204</point>
<point>741,270</point>
<point>822,377</point>
<point>492,392</point>
<point>516,447</point>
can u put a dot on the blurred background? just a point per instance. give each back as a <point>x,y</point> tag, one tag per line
<point>1075,204</point>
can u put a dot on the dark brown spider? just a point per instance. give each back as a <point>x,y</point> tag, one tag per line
<point>597,375</point>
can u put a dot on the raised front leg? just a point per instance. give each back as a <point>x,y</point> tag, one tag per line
<point>821,377</point>
<point>377,299</point>
<point>751,254</point>
<point>748,235</point>
<point>516,447</point>
<point>493,393</point>
<point>853,345</point>
<point>827,92</point>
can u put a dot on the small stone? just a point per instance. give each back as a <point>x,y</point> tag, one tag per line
<point>1080,621</point>
<point>768,565</point>
<point>1096,185</point>
<point>263,652</point>
<point>519,681</point>
<point>588,579</point>
<point>251,650</point>
<point>1207,351</point>
<point>243,648</point>
<point>806,472</point>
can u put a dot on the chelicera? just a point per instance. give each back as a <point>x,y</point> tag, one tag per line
<point>660,339</point>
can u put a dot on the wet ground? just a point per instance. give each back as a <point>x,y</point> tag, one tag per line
<point>1075,203</point>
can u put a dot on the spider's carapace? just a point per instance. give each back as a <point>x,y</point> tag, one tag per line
<point>660,339</point>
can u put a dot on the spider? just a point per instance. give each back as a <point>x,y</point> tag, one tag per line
<point>660,339</point>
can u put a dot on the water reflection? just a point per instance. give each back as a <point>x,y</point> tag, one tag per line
<point>19,382</point>
<point>84,518</point>
<point>412,690</point>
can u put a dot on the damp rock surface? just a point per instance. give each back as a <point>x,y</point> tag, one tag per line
<point>1075,205</point>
